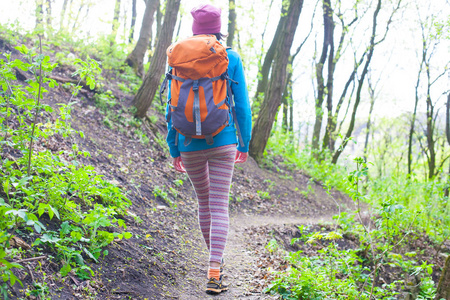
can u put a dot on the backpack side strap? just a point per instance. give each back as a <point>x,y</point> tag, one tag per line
<point>233,110</point>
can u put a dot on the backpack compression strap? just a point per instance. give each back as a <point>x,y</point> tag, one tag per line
<point>233,110</point>
<point>197,117</point>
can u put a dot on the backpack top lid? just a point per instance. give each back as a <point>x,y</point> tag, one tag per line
<point>196,56</point>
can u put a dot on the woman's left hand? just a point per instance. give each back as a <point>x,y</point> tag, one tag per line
<point>241,157</point>
<point>178,164</point>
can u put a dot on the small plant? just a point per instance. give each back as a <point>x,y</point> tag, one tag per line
<point>263,195</point>
<point>159,192</point>
<point>178,182</point>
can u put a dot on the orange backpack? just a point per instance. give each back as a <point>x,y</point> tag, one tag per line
<point>201,97</point>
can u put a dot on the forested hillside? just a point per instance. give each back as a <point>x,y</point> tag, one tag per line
<point>345,194</point>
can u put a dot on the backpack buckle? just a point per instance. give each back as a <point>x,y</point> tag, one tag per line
<point>195,85</point>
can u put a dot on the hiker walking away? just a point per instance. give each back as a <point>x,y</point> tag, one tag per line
<point>209,126</point>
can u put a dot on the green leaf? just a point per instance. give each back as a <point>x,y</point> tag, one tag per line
<point>65,227</point>
<point>76,236</point>
<point>37,227</point>
<point>121,223</point>
<point>79,259</point>
<point>22,49</point>
<point>65,270</point>
<point>127,235</point>
<point>41,208</point>
<point>50,212</point>
<point>54,211</point>
<point>89,254</point>
<point>48,238</point>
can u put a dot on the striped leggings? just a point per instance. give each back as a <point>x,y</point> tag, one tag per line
<point>210,172</point>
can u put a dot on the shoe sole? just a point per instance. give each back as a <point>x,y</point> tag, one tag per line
<point>213,291</point>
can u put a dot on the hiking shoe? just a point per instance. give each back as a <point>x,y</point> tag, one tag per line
<point>215,286</point>
<point>222,265</point>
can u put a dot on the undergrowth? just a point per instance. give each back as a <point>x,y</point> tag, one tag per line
<point>401,211</point>
<point>39,185</point>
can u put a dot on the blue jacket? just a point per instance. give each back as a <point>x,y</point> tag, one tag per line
<point>228,135</point>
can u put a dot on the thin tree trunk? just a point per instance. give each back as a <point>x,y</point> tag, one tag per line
<point>328,27</point>
<point>115,23</point>
<point>231,22</point>
<point>39,13</point>
<point>360,84</point>
<point>136,58</point>
<point>273,93</point>
<point>443,290</point>
<point>329,139</point>
<point>430,129</point>
<point>447,134</point>
<point>369,119</point>
<point>49,14</point>
<point>159,18</point>
<point>147,91</point>
<point>62,14</point>
<point>133,21</point>
<point>75,22</point>
<point>368,54</point>
<point>287,99</point>
<point>268,59</point>
<point>177,34</point>
<point>291,112</point>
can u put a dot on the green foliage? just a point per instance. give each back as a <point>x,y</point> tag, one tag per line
<point>58,186</point>
<point>349,274</point>
<point>159,192</point>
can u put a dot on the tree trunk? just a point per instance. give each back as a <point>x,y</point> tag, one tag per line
<point>49,14</point>
<point>413,120</point>
<point>147,91</point>
<point>447,134</point>
<point>430,129</point>
<point>62,14</point>
<point>371,49</point>
<point>273,92</point>
<point>115,23</point>
<point>291,111</point>
<point>369,119</point>
<point>133,20</point>
<point>231,22</point>
<point>177,34</point>
<point>159,18</point>
<point>287,99</point>
<point>328,32</point>
<point>136,58</point>
<point>443,290</point>
<point>39,13</point>
<point>329,139</point>
<point>75,21</point>
<point>268,59</point>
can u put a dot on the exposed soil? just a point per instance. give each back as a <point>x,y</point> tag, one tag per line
<point>166,257</point>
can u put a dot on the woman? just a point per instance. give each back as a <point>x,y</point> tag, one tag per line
<point>210,167</point>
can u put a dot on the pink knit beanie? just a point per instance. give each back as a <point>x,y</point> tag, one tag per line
<point>206,19</point>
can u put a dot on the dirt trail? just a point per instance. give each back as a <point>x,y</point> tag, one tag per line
<point>241,258</point>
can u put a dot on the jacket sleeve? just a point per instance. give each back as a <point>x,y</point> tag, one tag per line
<point>171,133</point>
<point>242,103</point>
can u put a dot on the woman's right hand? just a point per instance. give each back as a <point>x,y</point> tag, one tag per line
<point>178,164</point>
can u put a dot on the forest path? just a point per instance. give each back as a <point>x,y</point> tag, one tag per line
<point>241,257</point>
